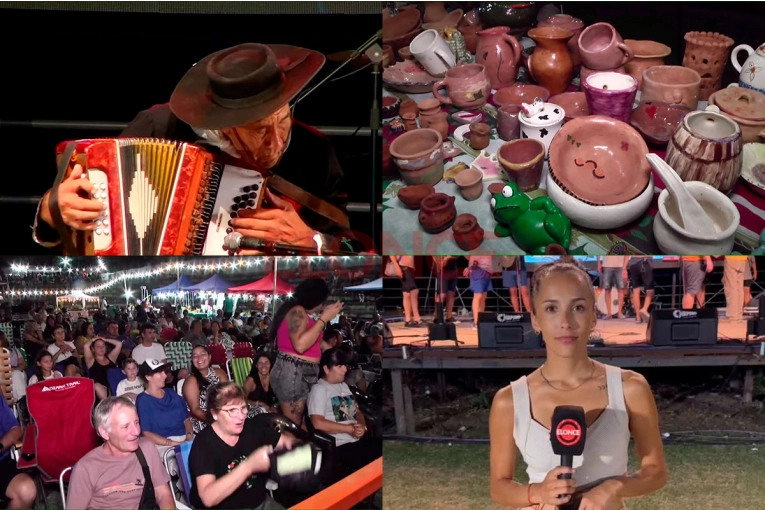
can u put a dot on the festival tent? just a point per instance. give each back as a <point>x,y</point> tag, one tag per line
<point>182,283</point>
<point>212,284</point>
<point>76,297</point>
<point>373,286</point>
<point>264,286</point>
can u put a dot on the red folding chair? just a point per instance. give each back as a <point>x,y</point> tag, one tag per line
<point>218,355</point>
<point>62,431</point>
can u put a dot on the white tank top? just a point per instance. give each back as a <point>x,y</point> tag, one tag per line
<point>606,448</point>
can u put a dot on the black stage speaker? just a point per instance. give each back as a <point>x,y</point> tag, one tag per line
<point>507,331</point>
<point>756,325</point>
<point>682,327</point>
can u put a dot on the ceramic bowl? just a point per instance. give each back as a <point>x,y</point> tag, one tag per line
<point>573,103</point>
<point>517,94</point>
<point>401,29</point>
<point>600,217</point>
<point>753,168</point>
<point>451,20</point>
<point>600,160</point>
<point>390,105</point>
<point>675,240</point>
<point>658,121</point>
<point>409,77</point>
<point>412,195</point>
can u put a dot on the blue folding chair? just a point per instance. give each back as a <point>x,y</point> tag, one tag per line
<point>114,375</point>
<point>182,452</point>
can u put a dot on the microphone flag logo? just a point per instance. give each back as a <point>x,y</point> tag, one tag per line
<point>569,432</point>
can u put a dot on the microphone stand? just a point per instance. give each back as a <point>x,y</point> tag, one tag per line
<point>375,56</point>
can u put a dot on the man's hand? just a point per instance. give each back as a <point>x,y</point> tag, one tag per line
<point>77,212</point>
<point>281,224</point>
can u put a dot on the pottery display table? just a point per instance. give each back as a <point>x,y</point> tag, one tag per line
<point>402,233</point>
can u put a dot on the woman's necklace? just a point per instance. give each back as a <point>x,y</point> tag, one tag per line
<point>541,372</point>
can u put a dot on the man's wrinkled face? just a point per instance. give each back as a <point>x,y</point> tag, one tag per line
<point>262,143</point>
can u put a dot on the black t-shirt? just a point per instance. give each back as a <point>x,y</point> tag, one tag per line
<point>259,394</point>
<point>211,456</point>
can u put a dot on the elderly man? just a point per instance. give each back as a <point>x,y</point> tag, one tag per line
<point>236,102</point>
<point>17,488</point>
<point>114,474</point>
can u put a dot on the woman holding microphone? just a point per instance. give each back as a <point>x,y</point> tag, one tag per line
<point>617,404</point>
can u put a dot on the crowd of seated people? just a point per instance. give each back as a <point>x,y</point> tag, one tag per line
<point>300,369</point>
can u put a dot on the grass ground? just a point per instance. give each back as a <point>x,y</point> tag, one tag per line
<point>439,476</point>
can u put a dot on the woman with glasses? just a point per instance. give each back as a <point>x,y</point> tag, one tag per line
<point>229,460</point>
<point>195,388</point>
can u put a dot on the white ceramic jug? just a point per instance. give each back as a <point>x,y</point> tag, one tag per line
<point>753,71</point>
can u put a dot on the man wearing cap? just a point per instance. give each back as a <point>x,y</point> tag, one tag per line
<point>236,102</point>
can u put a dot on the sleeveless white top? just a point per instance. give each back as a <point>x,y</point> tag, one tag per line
<point>606,448</point>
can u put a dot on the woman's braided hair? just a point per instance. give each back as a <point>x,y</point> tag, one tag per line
<point>565,264</point>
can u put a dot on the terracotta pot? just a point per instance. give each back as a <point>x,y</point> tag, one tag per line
<point>405,53</point>
<point>419,156</point>
<point>430,106</point>
<point>569,23</point>
<point>601,47</point>
<point>500,53</point>
<point>708,147</point>
<point>401,29</point>
<point>390,106</point>
<point>408,106</point>
<point>470,34</point>
<point>550,64</point>
<point>523,161</point>
<point>410,121</point>
<point>508,125</point>
<point>611,94</point>
<point>468,234</point>
<point>389,57</point>
<point>647,54</point>
<point>480,135</point>
<point>585,72</point>
<point>434,11</point>
<point>411,196</point>
<point>671,85</point>
<point>439,122</point>
<point>707,53</point>
<point>470,182</point>
<point>451,20</point>
<point>518,94</point>
<point>437,213</point>
<point>468,87</point>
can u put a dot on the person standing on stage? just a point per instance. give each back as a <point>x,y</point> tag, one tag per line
<point>641,275</point>
<point>618,404</point>
<point>750,275</point>
<point>734,270</point>
<point>446,284</point>
<point>404,269</point>
<point>613,273</point>
<point>479,270</point>
<point>694,271</point>
<point>515,277</point>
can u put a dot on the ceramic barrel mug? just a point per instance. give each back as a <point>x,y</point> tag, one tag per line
<point>430,50</point>
<point>753,71</point>
<point>707,146</point>
<point>467,87</point>
<point>602,48</point>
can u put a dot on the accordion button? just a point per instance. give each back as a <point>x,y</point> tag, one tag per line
<point>106,223</point>
<point>99,231</point>
<point>98,223</point>
<point>103,195</point>
<point>103,185</point>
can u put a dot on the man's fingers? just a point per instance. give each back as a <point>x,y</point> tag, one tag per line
<point>84,204</point>
<point>76,173</point>
<point>83,216</point>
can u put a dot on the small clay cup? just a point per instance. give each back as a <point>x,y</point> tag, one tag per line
<point>389,57</point>
<point>408,105</point>
<point>508,125</point>
<point>419,155</point>
<point>468,234</point>
<point>523,161</point>
<point>390,106</point>
<point>412,195</point>
<point>437,213</point>
<point>480,135</point>
<point>470,182</point>
<point>439,122</point>
<point>405,53</point>
<point>430,106</point>
<point>611,94</point>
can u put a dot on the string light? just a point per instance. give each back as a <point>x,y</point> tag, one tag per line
<point>21,269</point>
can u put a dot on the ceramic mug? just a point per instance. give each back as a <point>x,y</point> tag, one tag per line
<point>611,94</point>
<point>601,47</point>
<point>508,125</point>
<point>432,52</point>
<point>467,85</point>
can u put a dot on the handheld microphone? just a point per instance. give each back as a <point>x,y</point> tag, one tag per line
<point>568,434</point>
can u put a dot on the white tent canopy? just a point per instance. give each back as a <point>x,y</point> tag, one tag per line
<point>375,285</point>
<point>76,297</point>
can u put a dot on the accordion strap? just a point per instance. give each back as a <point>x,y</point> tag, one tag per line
<point>55,208</point>
<point>302,197</point>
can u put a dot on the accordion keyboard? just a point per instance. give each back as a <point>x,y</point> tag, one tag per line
<point>102,234</point>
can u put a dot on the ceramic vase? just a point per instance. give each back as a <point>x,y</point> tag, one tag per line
<point>480,135</point>
<point>707,53</point>
<point>550,64</point>
<point>500,53</point>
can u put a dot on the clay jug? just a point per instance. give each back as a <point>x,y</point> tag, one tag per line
<point>440,123</point>
<point>480,135</point>
<point>437,213</point>
<point>468,234</point>
<point>550,64</point>
<point>500,53</point>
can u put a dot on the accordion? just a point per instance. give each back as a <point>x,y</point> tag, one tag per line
<point>162,197</point>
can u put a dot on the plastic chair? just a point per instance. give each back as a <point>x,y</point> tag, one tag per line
<point>241,363</point>
<point>62,484</point>
<point>179,354</point>
<point>114,375</point>
<point>182,452</point>
<point>61,432</point>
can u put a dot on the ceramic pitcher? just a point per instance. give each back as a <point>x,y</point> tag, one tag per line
<point>550,64</point>
<point>753,71</point>
<point>500,53</point>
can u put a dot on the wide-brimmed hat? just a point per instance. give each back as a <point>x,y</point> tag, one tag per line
<point>152,366</point>
<point>243,84</point>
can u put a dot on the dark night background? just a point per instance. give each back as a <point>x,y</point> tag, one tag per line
<point>108,66</point>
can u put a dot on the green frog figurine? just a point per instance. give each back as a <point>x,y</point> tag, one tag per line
<point>535,225</point>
